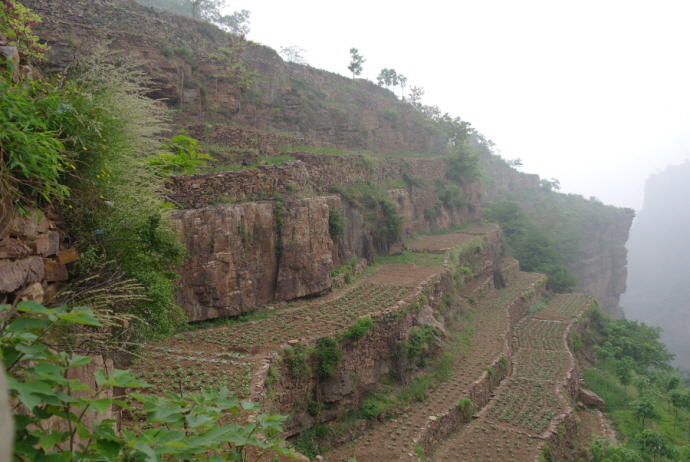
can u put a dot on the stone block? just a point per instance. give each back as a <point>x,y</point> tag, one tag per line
<point>33,292</point>
<point>67,256</point>
<point>53,244</point>
<point>13,248</point>
<point>29,227</point>
<point>54,271</point>
<point>40,245</point>
<point>16,274</point>
<point>589,398</point>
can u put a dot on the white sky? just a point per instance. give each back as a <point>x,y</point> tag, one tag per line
<point>594,93</point>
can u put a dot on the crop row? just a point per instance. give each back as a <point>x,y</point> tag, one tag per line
<point>540,364</point>
<point>498,299</point>
<point>541,335</point>
<point>488,442</point>
<point>308,321</point>
<point>171,353</point>
<point>529,404</point>
<point>176,374</point>
<point>565,306</point>
<point>362,300</point>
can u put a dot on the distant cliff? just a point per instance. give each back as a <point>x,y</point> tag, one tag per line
<point>659,268</point>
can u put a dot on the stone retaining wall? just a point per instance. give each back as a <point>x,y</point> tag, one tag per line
<point>310,172</point>
<point>33,261</point>
<point>265,143</point>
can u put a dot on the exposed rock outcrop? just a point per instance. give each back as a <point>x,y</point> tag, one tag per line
<point>589,398</point>
<point>601,265</point>
<point>305,262</point>
<point>235,266</point>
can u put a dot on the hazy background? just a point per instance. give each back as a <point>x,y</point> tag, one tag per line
<point>594,93</point>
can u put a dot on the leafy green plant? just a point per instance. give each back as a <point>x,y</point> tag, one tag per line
<point>335,223</point>
<point>16,23</point>
<point>358,330</point>
<point>328,355</point>
<point>52,417</point>
<point>182,156</point>
<point>370,409</point>
<point>465,407</point>
<point>229,57</point>
<point>33,158</point>
<point>296,359</point>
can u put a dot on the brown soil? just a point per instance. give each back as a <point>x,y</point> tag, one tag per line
<point>409,275</point>
<point>440,243</point>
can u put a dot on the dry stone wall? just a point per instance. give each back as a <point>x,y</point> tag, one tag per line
<point>33,261</point>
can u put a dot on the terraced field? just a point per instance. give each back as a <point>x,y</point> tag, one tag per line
<point>526,403</point>
<point>395,439</point>
<point>233,355</point>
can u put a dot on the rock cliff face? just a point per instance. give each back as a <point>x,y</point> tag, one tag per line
<point>659,284</point>
<point>237,264</point>
<point>601,264</point>
<point>299,100</point>
<point>248,254</point>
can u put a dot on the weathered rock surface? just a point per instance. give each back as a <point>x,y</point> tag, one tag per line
<point>234,266</point>
<point>601,265</point>
<point>16,274</point>
<point>335,387</point>
<point>426,318</point>
<point>589,398</point>
<point>306,260</point>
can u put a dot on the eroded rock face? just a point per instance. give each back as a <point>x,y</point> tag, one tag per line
<point>234,266</point>
<point>306,260</point>
<point>601,266</point>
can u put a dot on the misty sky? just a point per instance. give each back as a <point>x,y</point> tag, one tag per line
<point>594,93</point>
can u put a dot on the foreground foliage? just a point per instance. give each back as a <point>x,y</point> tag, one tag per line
<point>54,413</point>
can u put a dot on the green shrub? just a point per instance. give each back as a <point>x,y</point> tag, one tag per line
<point>420,339</point>
<point>360,328</point>
<point>328,354</point>
<point>181,156</point>
<point>335,223</point>
<point>465,407</point>
<point>370,410</point>
<point>391,114</point>
<point>33,159</point>
<point>314,407</point>
<point>296,359</point>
